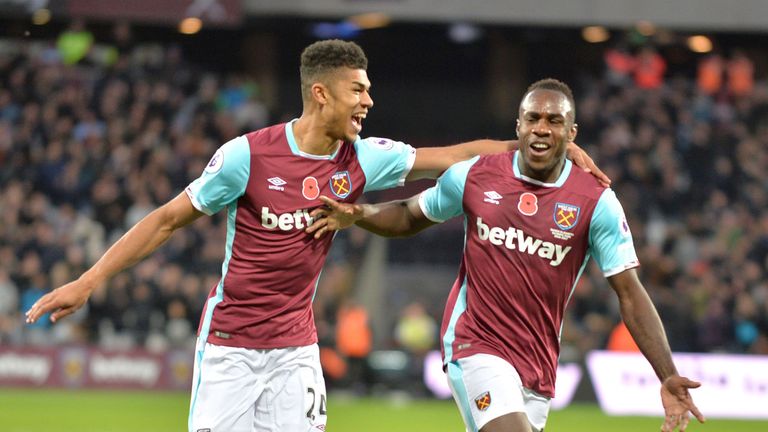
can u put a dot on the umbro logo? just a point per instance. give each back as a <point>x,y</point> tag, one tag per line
<point>492,197</point>
<point>277,183</point>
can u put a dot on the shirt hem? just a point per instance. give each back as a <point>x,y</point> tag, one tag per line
<point>238,342</point>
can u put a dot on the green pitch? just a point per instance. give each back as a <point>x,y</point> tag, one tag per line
<point>92,411</point>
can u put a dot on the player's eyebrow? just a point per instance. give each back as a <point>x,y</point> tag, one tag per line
<point>361,84</point>
<point>537,114</point>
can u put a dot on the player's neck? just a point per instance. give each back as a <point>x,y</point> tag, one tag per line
<point>312,138</point>
<point>544,176</point>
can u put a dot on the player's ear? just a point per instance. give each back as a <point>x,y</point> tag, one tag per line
<point>517,128</point>
<point>319,93</point>
<point>572,132</point>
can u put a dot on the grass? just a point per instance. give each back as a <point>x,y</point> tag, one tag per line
<point>91,411</point>
<point>23,410</point>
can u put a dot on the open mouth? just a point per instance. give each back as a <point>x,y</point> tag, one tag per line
<point>539,148</point>
<point>357,122</point>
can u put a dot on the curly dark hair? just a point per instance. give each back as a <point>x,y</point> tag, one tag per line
<point>325,56</point>
<point>554,85</point>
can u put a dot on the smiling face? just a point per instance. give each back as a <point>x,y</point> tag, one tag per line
<point>347,100</point>
<point>335,91</point>
<point>544,128</point>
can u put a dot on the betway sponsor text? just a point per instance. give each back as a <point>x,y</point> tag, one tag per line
<point>515,239</point>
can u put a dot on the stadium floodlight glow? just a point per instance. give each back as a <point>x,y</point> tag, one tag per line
<point>645,28</point>
<point>464,33</point>
<point>595,34</point>
<point>190,25</point>
<point>665,37</point>
<point>700,44</point>
<point>371,20</point>
<point>341,30</point>
<point>41,17</point>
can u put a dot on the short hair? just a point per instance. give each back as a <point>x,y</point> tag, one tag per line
<point>325,56</point>
<point>554,85</point>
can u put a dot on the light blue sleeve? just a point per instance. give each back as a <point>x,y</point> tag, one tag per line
<point>385,162</point>
<point>610,240</point>
<point>445,199</point>
<point>224,179</point>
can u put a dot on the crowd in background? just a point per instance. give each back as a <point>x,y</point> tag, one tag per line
<point>688,157</point>
<point>88,147</point>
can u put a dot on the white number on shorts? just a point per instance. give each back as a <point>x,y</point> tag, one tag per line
<point>321,407</point>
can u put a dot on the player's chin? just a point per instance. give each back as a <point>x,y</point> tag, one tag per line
<point>351,136</point>
<point>539,164</point>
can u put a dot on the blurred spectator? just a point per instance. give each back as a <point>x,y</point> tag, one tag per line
<point>354,342</point>
<point>746,320</point>
<point>74,43</point>
<point>741,72</point>
<point>709,78</point>
<point>10,319</point>
<point>416,330</point>
<point>35,286</point>
<point>178,329</point>
<point>650,67</point>
<point>122,38</point>
<point>620,63</point>
<point>621,340</point>
<point>715,329</point>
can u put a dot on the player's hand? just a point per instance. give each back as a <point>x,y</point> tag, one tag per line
<point>61,302</point>
<point>585,162</point>
<point>678,404</point>
<point>333,217</point>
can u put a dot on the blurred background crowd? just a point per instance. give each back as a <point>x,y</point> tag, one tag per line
<point>99,126</point>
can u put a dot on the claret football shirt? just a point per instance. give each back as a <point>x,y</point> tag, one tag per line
<point>526,244</point>
<point>271,266</point>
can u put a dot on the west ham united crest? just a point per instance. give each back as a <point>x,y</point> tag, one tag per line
<point>341,184</point>
<point>566,216</point>
<point>483,401</point>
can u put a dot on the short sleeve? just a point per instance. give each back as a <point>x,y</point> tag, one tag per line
<point>445,199</point>
<point>610,239</point>
<point>224,179</point>
<point>385,163</point>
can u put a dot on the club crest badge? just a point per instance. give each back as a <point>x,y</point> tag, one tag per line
<point>341,184</point>
<point>566,216</point>
<point>483,401</point>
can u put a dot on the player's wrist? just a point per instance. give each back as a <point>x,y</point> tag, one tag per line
<point>89,281</point>
<point>366,211</point>
<point>665,378</point>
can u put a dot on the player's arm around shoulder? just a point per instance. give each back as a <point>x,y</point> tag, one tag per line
<point>430,162</point>
<point>141,240</point>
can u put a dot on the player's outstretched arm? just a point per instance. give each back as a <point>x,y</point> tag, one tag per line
<point>391,219</point>
<point>432,161</point>
<point>141,240</point>
<point>644,324</point>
